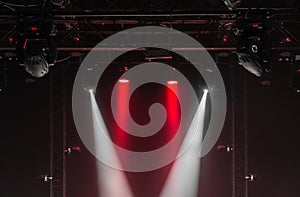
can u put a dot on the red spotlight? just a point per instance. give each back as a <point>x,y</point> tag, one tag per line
<point>119,135</point>
<point>10,39</point>
<point>173,108</point>
<point>298,70</point>
<point>25,44</point>
<point>123,81</point>
<point>126,68</point>
<point>255,25</point>
<point>172,82</point>
<point>34,28</point>
<point>288,39</point>
<point>77,39</point>
<point>225,39</point>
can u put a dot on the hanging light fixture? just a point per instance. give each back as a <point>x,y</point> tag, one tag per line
<point>254,46</point>
<point>36,48</point>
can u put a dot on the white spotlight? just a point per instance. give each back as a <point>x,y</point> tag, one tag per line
<point>224,148</point>
<point>251,177</point>
<point>117,179</point>
<point>172,82</point>
<point>184,175</point>
<point>123,81</point>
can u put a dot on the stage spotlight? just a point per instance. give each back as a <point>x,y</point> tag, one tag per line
<point>46,178</point>
<point>123,81</point>
<point>254,47</point>
<point>36,48</point>
<point>10,40</point>
<point>125,68</point>
<point>172,82</point>
<point>77,39</point>
<point>251,177</point>
<point>224,148</point>
<point>225,39</point>
<point>72,150</point>
<point>183,178</point>
<point>284,56</point>
<point>288,39</point>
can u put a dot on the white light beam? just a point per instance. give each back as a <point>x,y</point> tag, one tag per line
<point>183,179</point>
<point>112,182</point>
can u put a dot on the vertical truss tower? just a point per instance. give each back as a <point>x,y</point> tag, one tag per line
<point>57,133</point>
<point>239,134</point>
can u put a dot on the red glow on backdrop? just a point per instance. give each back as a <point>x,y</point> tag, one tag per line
<point>173,108</point>
<point>298,70</point>
<point>174,116</point>
<point>10,39</point>
<point>123,92</point>
<point>225,39</point>
<point>125,68</point>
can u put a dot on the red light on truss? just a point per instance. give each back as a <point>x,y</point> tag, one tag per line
<point>34,28</point>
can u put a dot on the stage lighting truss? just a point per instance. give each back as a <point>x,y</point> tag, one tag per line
<point>36,49</point>
<point>254,47</point>
<point>152,54</point>
<point>61,3</point>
